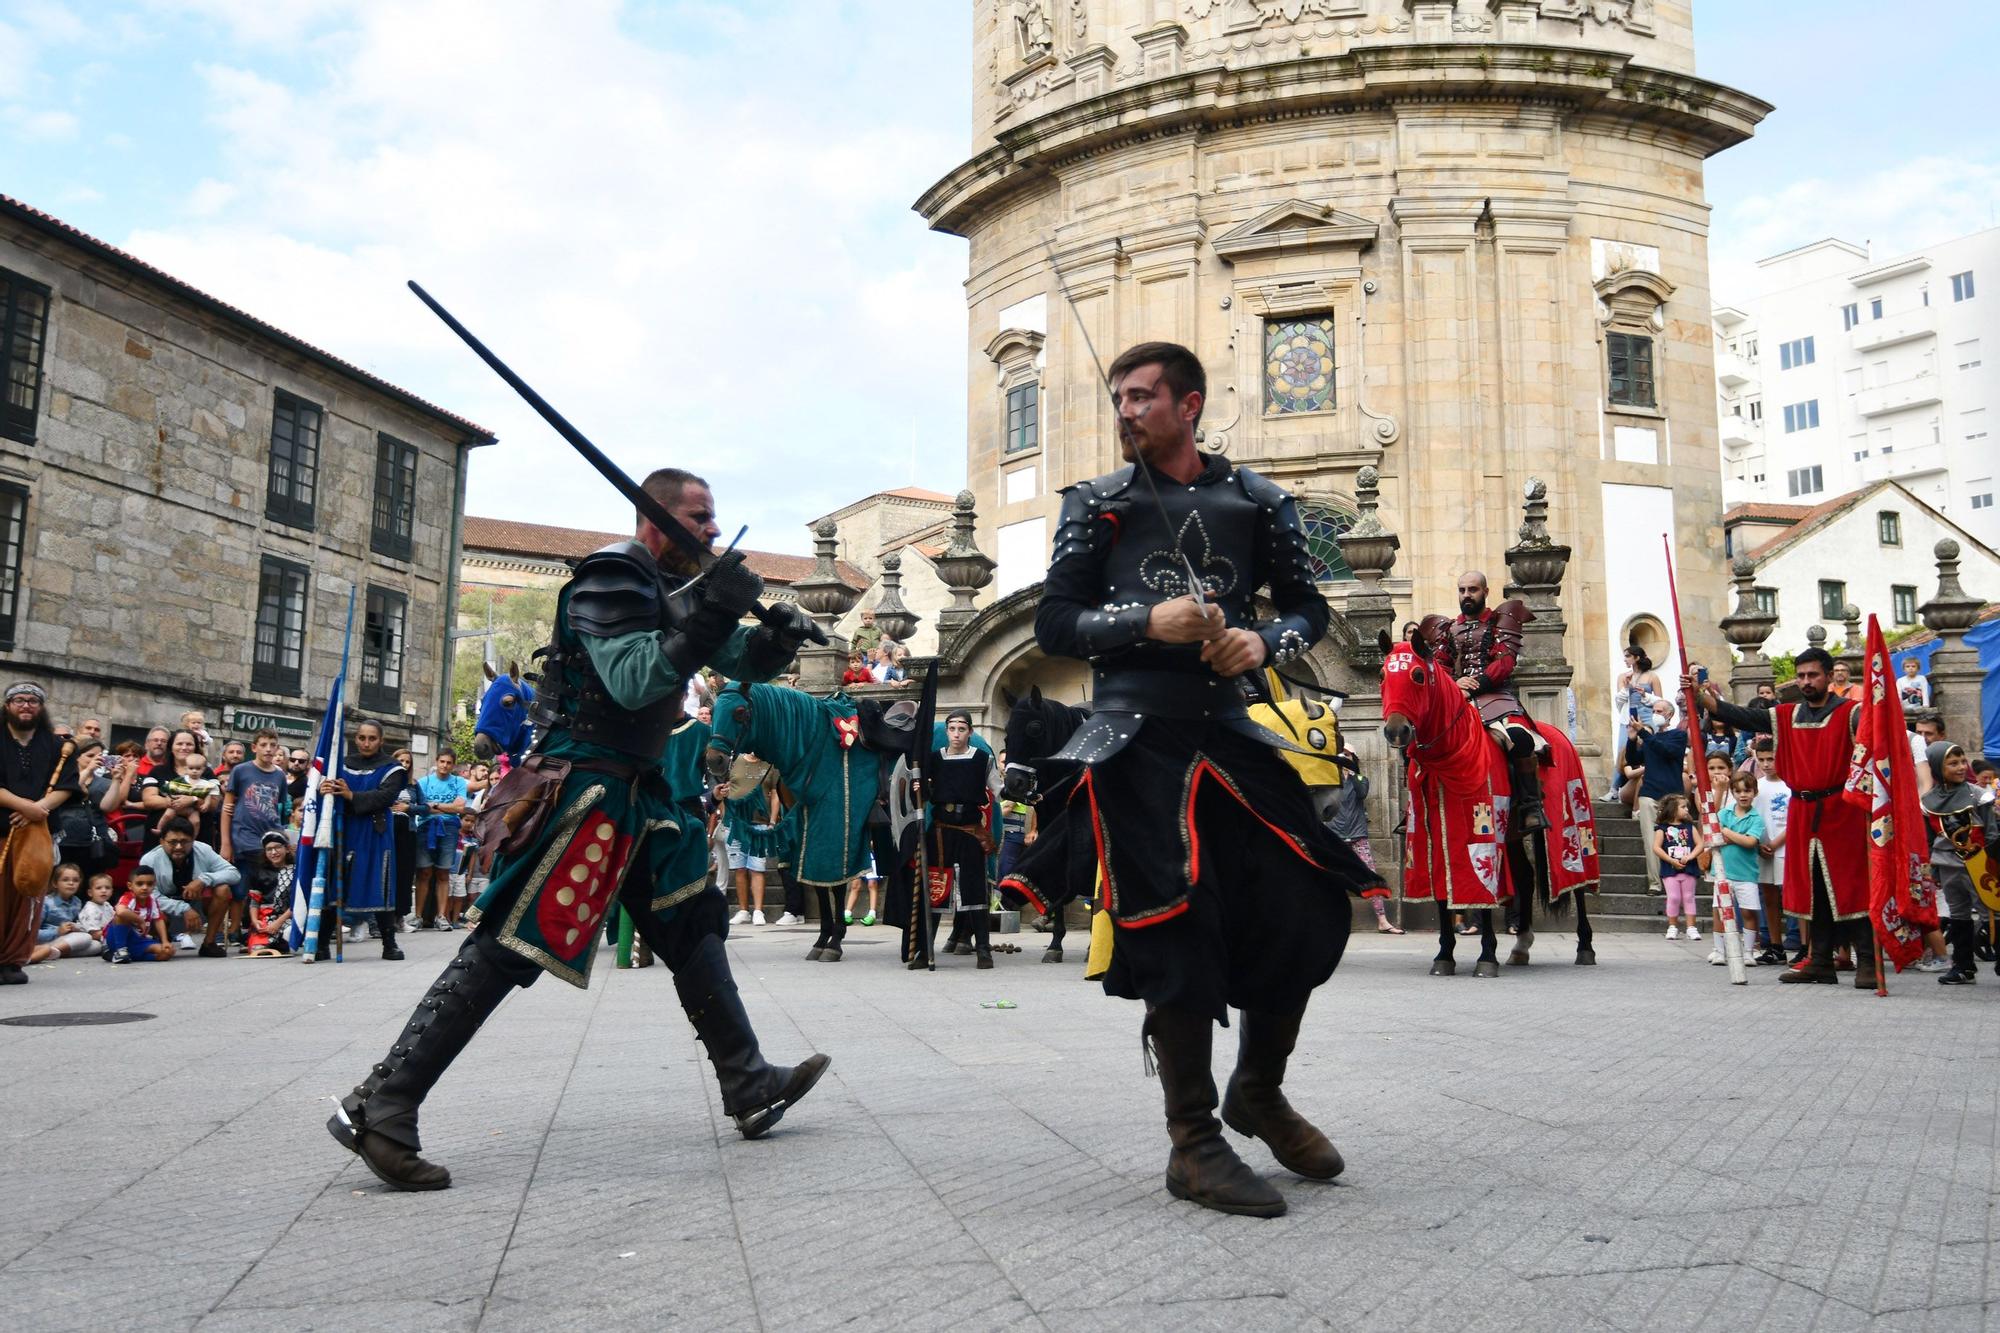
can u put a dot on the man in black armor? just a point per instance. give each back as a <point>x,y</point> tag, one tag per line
<point>612,686</point>
<point>1481,647</point>
<point>1222,887</point>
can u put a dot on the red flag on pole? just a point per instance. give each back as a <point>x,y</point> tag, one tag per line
<point>1902,897</point>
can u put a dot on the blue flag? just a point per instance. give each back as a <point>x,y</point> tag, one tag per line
<point>318,813</point>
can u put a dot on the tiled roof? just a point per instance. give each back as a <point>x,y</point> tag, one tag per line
<point>1766,513</point>
<point>1813,517</point>
<point>52,226</point>
<point>543,542</point>
<point>919,493</point>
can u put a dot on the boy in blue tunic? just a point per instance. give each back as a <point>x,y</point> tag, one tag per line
<point>609,716</point>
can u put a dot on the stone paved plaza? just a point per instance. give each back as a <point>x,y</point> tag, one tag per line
<point>1637,1146</point>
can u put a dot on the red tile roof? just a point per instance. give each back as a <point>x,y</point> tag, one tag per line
<point>1756,512</point>
<point>132,264</point>
<point>543,542</point>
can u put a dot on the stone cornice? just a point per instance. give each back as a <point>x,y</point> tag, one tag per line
<point>1708,116</point>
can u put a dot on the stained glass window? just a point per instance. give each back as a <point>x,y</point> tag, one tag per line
<point>1322,526</point>
<point>1298,365</point>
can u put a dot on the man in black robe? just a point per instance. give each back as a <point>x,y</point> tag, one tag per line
<point>1223,889</point>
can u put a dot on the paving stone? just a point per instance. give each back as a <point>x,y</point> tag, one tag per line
<point>1636,1146</point>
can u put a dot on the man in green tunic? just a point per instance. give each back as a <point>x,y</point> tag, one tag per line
<point>612,689</point>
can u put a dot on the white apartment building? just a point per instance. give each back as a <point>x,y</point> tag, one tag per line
<point>1846,371</point>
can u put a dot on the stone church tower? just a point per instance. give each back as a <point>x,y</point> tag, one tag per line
<point>1462,241</point>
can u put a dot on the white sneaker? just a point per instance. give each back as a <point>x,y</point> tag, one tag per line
<point>1930,963</point>
<point>757,918</point>
<point>185,941</point>
<point>740,919</point>
<point>1694,933</point>
<point>791,919</point>
<point>1715,958</point>
<point>1750,958</point>
<point>1673,932</point>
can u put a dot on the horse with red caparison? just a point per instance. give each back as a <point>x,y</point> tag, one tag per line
<point>1460,851</point>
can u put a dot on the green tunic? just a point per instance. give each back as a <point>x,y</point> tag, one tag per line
<point>643,836</point>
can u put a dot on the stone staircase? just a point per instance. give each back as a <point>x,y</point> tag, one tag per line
<point>1621,904</point>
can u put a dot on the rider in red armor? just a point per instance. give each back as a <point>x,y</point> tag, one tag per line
<point>1480,648</point>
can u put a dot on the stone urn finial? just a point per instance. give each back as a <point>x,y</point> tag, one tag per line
<point>1747,626</point>
<point>1370,551</point>
<point>1951,611</point>
<point>823,594</point>
<point>964,568</point>
<point>892,616</point>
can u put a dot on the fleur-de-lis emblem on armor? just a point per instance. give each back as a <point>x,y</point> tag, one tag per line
<point>1165,573</point>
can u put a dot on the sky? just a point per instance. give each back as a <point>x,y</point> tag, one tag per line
<point>687,222</point>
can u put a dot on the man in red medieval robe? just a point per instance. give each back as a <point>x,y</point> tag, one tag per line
<point>1826,837</point>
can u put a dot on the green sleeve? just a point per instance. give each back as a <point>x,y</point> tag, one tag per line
<point>729,660</point>
<point>635,670</point>
<point>633,667</point>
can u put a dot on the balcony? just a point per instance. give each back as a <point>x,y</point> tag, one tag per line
<point>1738,433</point>
<point>1731,370</point>
<point>1920,460</point>
<point>1871,334</point>
<point>1902,396</point>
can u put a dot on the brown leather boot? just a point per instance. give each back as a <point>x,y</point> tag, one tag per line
<point>1816,970</point>
<point>1255,1103</point>
<point>1864,968</point>
<point>1202,1167</point>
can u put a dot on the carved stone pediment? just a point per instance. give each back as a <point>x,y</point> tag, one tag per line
<point>1014,347</point>
<point>1295,225</point>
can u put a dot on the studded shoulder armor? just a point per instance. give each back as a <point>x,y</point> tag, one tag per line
<point>616,591</point>
<point>1091,513</point>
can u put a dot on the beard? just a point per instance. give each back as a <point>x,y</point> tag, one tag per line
<point>1471,606</point>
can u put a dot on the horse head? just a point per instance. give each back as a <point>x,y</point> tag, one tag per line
<point>1411,691</point>
<point>1036,728</point>
<point>730,721</point>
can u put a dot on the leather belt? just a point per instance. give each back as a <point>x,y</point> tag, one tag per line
<point>1174,694</point>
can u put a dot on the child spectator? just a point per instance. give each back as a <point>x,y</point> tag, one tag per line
<point>96,913</point>
<point>60,908</point>
<point>870,880</point>
<point>1985,775</point>
<point>137,933</point>
<point>1742,836</point>
<point>188,792</point>
<point>1914,686</point>
<point>270,900</point>
<point>857,672</point>
<point>1347,819</point>
<point>1963,823</point>
<point>473,862</point>
<point>444,795</point>
<point>1674,847</point>
<point>1773,804</point>
<point>254,803</point>
<point>1716,766</point>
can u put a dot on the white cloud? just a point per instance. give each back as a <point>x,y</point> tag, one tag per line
<point>42,126</point>
<point>1892,210</point>
<point>712,271</point>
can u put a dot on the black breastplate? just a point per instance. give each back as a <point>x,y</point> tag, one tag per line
<point>1214,526</point>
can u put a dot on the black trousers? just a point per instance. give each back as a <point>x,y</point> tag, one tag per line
<point>1827,933</point>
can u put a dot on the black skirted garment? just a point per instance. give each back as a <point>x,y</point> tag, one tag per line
<point>1222,886</point>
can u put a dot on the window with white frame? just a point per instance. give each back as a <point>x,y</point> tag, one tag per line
<point>1801,416</point>
<point>1797,352</point>
<point>1805,481</point>
<point>1850,315</point>
<point>1961,286</point>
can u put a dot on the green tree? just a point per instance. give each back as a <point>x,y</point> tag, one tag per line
<point>522,621</point>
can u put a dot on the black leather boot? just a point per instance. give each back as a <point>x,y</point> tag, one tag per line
<point>1202,1167</point>
<point>755,1094</point>
<point>1525,772</point>
<point>385,924</point>
<point>1255,1103</point>
<point>378,1120</point>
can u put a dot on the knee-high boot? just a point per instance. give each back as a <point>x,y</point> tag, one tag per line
<point>1255,1104</point>
<point>1525,772</point>
<point>1202,1167</point>
<point>378,1120</point>
<point>755,1094</point>
<point>386,924</point>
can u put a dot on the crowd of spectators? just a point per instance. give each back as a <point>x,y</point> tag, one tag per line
<point>165,852</point>
<point>1656,781</point>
